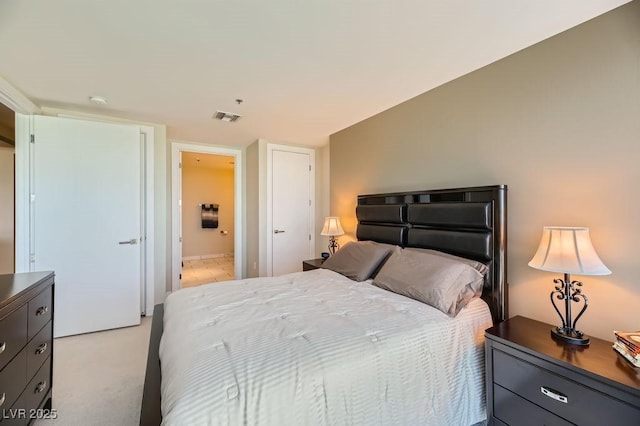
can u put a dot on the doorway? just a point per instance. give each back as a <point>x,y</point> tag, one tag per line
<point>207,218</point>
<point>7,190</point>
<point>181,208</point>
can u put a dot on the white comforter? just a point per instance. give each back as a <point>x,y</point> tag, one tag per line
<point>315,348</point>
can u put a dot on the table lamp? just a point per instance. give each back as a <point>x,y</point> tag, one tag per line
<point>568,250</point>
<point>332,228</point>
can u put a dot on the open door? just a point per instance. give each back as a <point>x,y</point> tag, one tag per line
<point>86,218</point>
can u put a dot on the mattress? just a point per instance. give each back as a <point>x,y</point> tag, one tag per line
<point>316,348</point>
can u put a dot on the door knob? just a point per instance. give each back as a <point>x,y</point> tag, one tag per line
<point>278,231</point>
<point>132,241</point>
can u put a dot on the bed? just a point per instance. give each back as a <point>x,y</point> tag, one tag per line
<point>326,349</point>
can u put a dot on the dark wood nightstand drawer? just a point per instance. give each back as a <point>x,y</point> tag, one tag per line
<point>13,335</point>
<point>528,380</point>
<point>39,311</point>
<point>513,410</point>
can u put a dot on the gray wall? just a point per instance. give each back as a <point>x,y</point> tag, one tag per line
<point>559,123</point>
<point>252,210</point>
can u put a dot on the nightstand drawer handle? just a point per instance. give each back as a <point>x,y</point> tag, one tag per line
<point>554,394</point>
<point>2,398</point>
<point>42,310</point>
<point>3,346</point>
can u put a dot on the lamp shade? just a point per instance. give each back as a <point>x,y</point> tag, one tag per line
<point>567,250</point>
<point>332,227</point>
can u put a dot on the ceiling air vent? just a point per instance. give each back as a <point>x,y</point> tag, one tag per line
<point>227,116</point>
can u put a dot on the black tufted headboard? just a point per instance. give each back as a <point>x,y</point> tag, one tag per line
<point>467,222</point>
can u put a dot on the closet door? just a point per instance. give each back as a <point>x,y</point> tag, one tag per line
<point>291,194</point>
<point>86,218</point>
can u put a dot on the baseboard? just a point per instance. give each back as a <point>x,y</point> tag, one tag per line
<point>207,256</point>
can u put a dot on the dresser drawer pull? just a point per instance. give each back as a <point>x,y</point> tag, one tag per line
<point>2,398</point>
<point>3,346</point>
<point>554,394</point>
<point>41,349</point>
<point>42,310</point>
<point>41,387</point>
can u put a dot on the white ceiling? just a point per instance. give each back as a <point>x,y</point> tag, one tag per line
<point>305,69</point>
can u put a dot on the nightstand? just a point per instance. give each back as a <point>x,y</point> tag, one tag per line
<point>534,380</point>
<point>308,265</point>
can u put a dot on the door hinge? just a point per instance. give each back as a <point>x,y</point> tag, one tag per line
<point>309,167</point>
<point>309,237</point>
<point>180,276</point>
<point>180,165</point>
<point>32,138</point>
<point>309,202</point>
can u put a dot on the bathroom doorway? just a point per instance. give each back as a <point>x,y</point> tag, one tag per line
<point>208,218</point>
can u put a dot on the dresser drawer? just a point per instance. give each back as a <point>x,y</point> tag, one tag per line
<point>38,350</point>
<point>12,380</point>
<point>38,387</point>
<point>40,309</point>
<point>528,381</point>
<point>14,416</point>
<point>13,334</point>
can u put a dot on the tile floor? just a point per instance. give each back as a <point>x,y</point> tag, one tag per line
<point>204,271</point>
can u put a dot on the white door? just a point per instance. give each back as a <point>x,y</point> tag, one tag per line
<point>292,217</point>
<point>87,221</point>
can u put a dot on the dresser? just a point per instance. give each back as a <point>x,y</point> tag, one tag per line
<point>26,347</point>
<point>533,379</point>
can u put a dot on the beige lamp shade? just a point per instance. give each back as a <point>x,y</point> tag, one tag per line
<point>567,250</point>
<point>332,227</point>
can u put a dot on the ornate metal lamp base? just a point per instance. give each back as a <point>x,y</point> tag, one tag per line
<point>569,291</point>
<point>333,245</point>
<point>572,336</point>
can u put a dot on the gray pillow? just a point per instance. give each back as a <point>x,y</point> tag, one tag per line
<point>357,260</point>
<point>444,283</point>
<point>478,266</point>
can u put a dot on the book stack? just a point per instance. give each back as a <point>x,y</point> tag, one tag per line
<point>628,345</point>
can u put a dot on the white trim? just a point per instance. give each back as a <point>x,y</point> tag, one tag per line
<point>208,256</point>
<point>149,219</point>
<point>312,187</point>
<point>22,181</point>
<point>15,100</point>
<point>176,196</point>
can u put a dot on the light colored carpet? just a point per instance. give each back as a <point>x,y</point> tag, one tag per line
<point>98,377</point>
